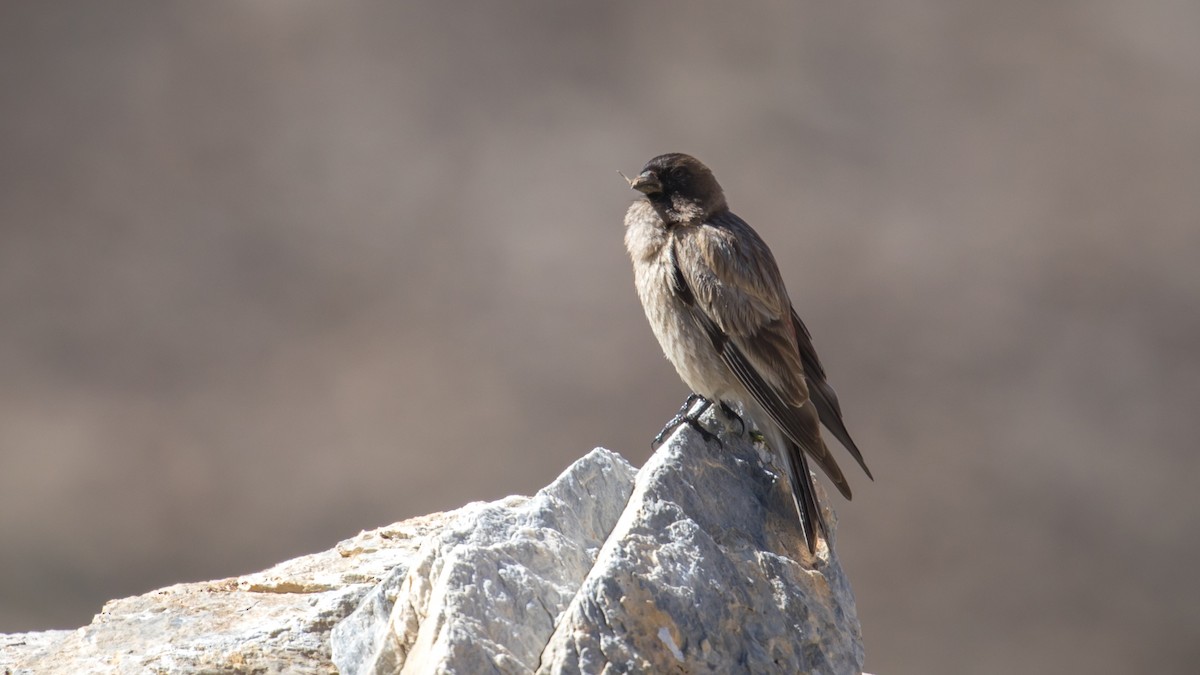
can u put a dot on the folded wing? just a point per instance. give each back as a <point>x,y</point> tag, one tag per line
<point>738,297</point>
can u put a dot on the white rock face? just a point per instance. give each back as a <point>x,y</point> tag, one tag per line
<point>482,594</point>
<point>276,621</point>
<point>707,572</point>
<point>695,564</point>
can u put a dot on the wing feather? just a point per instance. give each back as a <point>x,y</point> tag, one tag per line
<point>823,396</point>
<point>740,301</point>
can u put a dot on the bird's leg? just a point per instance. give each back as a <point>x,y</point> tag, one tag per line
<point>731,413</point>
<point>687,404</point>
<point>685,416</point>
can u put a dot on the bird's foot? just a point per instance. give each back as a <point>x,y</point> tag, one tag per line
<point>689,401</point>
<point>730,413</point>
<point>686,416</point>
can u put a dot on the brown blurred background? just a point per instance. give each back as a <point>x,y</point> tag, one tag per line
<point>275,272</point>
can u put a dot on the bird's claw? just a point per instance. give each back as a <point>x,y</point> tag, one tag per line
<point>686,416</point>
<point>731,413</point>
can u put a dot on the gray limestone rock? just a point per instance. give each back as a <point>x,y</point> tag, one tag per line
<point>708,572</point>
<point>275,621</point>
<point>482,594</point>
<point>697,565</point>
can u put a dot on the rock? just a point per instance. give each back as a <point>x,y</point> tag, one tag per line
<point>708,572</point>
<point>482,594</point>
<point>694,564</point>
<point>276,621</point>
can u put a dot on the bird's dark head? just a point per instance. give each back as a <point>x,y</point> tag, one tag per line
<point>680,187</point>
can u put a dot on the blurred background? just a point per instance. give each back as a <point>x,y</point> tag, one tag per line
<point>275,272</point>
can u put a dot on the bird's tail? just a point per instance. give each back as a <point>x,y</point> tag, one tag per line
<point>804,494</point>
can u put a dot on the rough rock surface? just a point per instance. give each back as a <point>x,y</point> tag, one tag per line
<point>275,621</point>
<point>695,565</point>
<point>482,594</point>
<point>708,572</point>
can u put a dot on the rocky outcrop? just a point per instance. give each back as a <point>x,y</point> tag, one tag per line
<point>276,621</point>
<point>707,572</point>
<point>482,594</point>
<point>694,564</point>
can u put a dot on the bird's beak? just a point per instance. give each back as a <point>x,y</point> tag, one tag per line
<point>647,183</point>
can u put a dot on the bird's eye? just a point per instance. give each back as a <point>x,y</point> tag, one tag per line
<point>680,172</point>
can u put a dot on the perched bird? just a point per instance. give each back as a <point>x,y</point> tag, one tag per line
<point>717,304</point>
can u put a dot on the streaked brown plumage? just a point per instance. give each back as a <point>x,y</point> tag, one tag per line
<point>717,304</point>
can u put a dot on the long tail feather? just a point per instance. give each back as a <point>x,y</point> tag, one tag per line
<point>805,496</point>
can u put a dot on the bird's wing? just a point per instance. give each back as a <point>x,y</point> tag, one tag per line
<point>823,396</point>
<point>729,278</point>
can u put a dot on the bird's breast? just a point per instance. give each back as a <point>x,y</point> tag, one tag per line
<point>683,341</point>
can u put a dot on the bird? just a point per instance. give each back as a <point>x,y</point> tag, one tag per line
<point>716,301</point>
